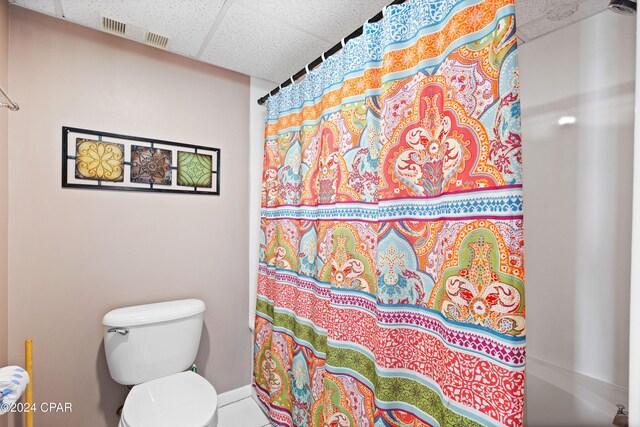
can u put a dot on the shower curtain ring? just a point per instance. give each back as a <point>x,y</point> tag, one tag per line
<point>323,58</point>
<point>306,67</point>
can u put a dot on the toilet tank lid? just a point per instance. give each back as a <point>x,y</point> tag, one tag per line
<point>153,313</point>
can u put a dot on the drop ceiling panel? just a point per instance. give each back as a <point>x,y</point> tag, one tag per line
<point>273,39</point>
<point>538,17</point>
<point>329,20</point>
<point>43,6</point>
<point>254,44</point>
<point>185,22</point>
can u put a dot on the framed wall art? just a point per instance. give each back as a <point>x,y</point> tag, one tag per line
<point>107,161</point>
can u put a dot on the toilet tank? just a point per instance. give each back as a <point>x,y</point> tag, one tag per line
<point>150,341</point>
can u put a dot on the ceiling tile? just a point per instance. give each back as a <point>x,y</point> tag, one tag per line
<point>538,17</point>
<point>329,20</point>
<point>254,44</point>
<point>272,39</point>
<point>530,10</point>
<point>185,22</point>
<point>591,7</point>
<point>44,6</point>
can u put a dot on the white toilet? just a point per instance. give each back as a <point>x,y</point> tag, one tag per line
<point>151,347</point>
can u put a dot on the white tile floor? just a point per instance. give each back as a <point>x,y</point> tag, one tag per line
<point>244,413</point>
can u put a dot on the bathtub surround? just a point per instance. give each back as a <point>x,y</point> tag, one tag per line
<point>69,264</point>
<point>391,281</point>
<point>577,193</point>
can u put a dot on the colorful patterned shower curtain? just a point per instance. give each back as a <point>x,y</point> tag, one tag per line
<point>391,284</point>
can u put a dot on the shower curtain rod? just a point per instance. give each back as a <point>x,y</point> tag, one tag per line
<point>319,60</point>
<point>9,103</point>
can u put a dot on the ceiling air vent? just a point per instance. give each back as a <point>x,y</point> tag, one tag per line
<point>113,26</point>
<point>157,40</point>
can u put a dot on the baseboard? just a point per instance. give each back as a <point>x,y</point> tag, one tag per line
<point>233,396</point>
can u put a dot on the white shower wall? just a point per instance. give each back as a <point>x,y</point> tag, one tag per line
<point>577,188</point>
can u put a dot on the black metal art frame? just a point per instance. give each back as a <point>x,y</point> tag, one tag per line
<point>66,130</point>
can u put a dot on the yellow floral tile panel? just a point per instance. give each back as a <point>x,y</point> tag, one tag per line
<point>101,161</point>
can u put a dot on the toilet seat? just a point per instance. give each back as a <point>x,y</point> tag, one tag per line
<point>185,399</point>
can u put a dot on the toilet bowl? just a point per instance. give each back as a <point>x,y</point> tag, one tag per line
<point>184,399</point>
<point>151,347</point>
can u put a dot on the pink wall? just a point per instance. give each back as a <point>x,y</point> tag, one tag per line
<point>4,116</point>
<point>76,254</point>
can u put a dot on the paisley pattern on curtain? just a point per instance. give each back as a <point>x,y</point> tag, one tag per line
<point>391,283</point>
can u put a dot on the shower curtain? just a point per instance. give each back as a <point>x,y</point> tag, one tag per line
<point>391,281</point>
